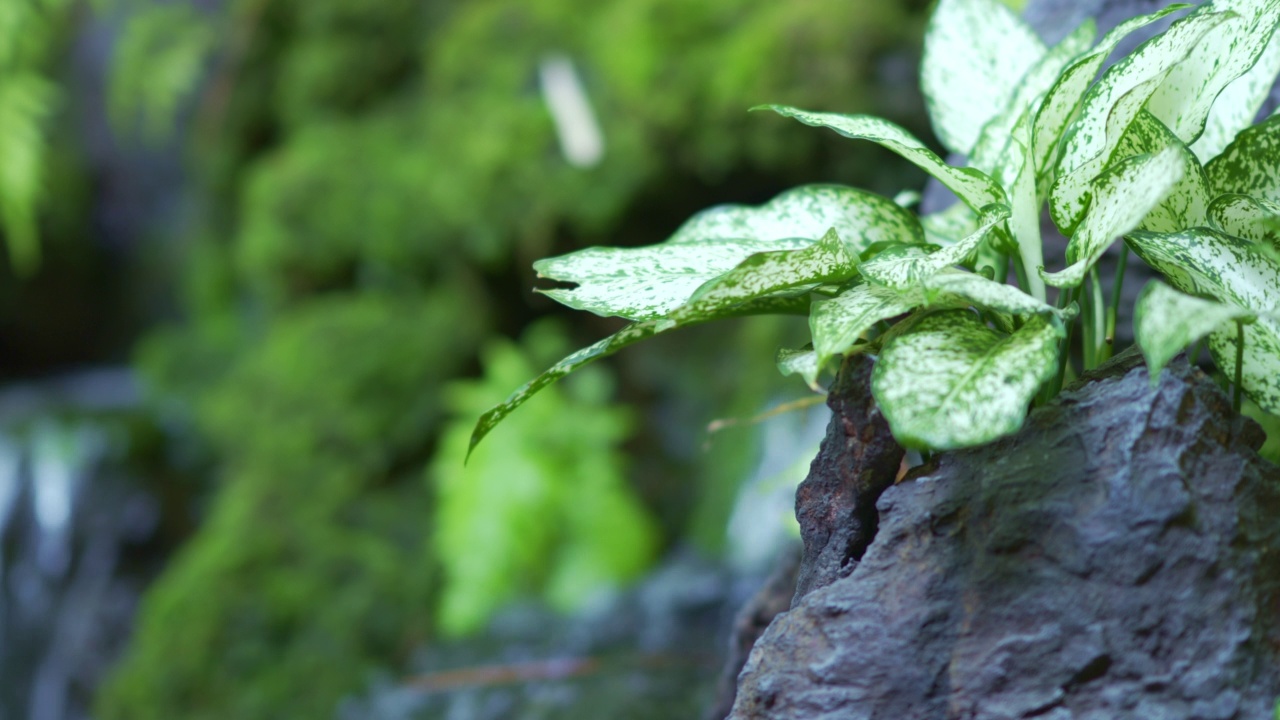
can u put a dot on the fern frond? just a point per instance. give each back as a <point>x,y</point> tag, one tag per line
<point>26,102</point>
<point>159,61</point>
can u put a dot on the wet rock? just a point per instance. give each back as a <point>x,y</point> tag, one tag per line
<point>1119,557</point>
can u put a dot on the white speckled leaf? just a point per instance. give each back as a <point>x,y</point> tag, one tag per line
<point>827,261</point>
<point>975,188</point>
<point>1238,104</point>
<point>1187,201</point>
<point>906,266</point>
<point>975,52</point>
<point>1251,164</point>
<point>950,226</point>
<point>860,217</point>
<point>1025,98</point>
<point>975,289</point>
<point>1261,376</point>
<point>1123,196</point>
<point>629,335</point>
<point>949,381</point>
<point>1184,99</point>
<point>1108,108</point>
<point>1061,101</point>
<point>838,322</point>
<point>800,362</point>
<point>648,282</point>
<point>1167,321</point>
<point>1248,218</point>
<point>1207,263</point>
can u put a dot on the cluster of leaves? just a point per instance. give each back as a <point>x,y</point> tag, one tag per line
<point>1157,149</point>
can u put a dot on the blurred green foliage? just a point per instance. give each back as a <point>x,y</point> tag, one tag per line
<point>371,177</point>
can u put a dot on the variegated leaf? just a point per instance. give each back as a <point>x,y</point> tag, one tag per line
<point>1122,198</point>
<point>1248,218</point>
<point>969,288</point>
<point>839,322</point>
<point>950,226</point>
<point>860,217</point>
<point>1238,104</point>
<point>1062,99</point>
<point>906,266</point>
<point>1110,106</point>
<point>827,261</point>
<point>1260,378</point>
<point>1207,263</point>
<point>1166,321</point>
<point>1025,98</point>
<point>649,282</point>
<point>975,53</point>
<point>949,381</point>
<point>1184,99</point>
<point>975,188</point>
<point>800,362</point>
<point>1251,163</point>
<point>629,335</point>
<point>1187,201</point>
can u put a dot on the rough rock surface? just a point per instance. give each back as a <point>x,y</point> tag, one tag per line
<point>1117,558</point>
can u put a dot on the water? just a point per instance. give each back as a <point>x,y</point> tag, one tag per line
<point>72,520</point>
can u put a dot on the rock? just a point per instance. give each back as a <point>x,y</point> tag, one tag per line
<point>1117,558</point>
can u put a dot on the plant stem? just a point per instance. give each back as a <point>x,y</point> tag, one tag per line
<point>1088,340</point>
<point>1114,306</point>
<point>1235,395</point>
<point>1097,307</point>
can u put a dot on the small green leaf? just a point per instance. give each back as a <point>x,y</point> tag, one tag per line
<point>839,322</point>
<point>975,188</point>
<point>1187,201</point>
<point>648,282</point>
<point>1261,376</point>
<point>975,53</point>
<point>907,266</point>
<point>1251,163</point>
<point>1110,106</point>
<point>969,288</point>
<point>800,362</point>
<point>1061,101</point>
<point>950,381</point>
<point>1122,198</point>
<point>1167,321</point>
<point>827,261</point>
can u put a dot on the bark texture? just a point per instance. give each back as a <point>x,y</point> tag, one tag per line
<point>1117,558</point>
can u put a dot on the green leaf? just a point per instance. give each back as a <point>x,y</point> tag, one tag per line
<point>975,53</point>
<point>1261,376</point>
<point>906,266</point>
<point>860,218</point>
<point>27,101</point>
<point>1062,100</point>
<point>951,382</point>
<point>1207,263</point>
<point>975,188</point>
<point>1248,218</point>
<point>629,335</point>
<point>955,286</point>
<point>1183,101</point>
<point>159,60</point>
<point>827,261</point>
<point>1122,198</point>
<point>839,322</point>
<point>800,362</point>
<point>1188,200</point>
<point>649,282</point>
<point>1167,321</point>
<point>1238,104</point>
<point>1110,106</point>
<point>1251,163</point>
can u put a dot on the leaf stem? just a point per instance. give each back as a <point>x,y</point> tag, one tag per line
<point>1097,312</point>
<point>1235,395</point>
<point>1114,305</point>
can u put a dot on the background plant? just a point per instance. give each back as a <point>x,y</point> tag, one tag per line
<point>1157,149</point>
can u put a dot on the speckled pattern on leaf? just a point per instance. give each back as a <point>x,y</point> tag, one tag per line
<point>1167,321</point>
<point>1247,217</point>
<point>950,381</point>
<point>905,267</point>
<point>975,53</point>
<point>1251,164</point>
